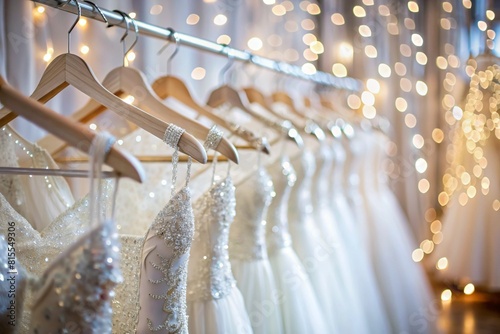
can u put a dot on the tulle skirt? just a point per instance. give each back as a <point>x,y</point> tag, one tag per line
<point>219,316</point>
<point>364,279</point>
<point>256,282</point>
<point>297,299</point>
<point>406,292</point>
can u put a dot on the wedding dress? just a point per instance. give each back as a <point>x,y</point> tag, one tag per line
<point>248,253</point>
<point>300,309</point>
<point>345,300</point>
<point>74,291</point>
<point>471,219</point>
<point>391,245</point>
<point>215,304</point>
<point>351,240</point>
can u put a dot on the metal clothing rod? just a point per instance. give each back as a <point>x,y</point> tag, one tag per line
<point>147,29</point>
<point>53,172</point>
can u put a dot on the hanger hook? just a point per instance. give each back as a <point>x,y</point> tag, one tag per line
<point>225,69</point>
<point>105,19</point>
<point>173,35</point>
<point>127,28</point>
<point>74,23</point>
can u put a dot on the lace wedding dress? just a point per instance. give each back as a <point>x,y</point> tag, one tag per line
<point>63,269</point>
<point>215,304</point>
<point>300,309</point>
<point>248,253</point>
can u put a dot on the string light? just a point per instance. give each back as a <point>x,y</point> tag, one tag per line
<point>40,9</point>
<point>131,56</point>
<point>132,15</point>
<point>279,10</point>
<point>255,43</point>
<point>373,86</point>
<point>84,49</point>
<point>192,19</point>
<point>317,47</point>
<point>365,30</point>
<point>313,9</point>
<point>446,295</point>
<point>359,11</point>
<point>353,101</point>
<point>337,19</point>
<point>288,5</point>
<point>307,24</point>
<point>198,73</point>
<point>220,19</point>
<point>339,70</point>
<point>371,51</point>
<point>413,6</point>
<point>129,99</point>
<point>82,22</point>
<point>308,68</point>
<point>224,39</point>
<point>156,10</point>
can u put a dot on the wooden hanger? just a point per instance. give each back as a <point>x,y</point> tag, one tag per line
<point>69,69</point>
<point>77,135</point>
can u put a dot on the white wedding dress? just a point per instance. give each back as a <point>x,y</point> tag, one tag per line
<point>299,305</point>
<point>391,245</point>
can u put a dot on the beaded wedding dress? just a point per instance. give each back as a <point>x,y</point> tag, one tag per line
<point>471,228</point>
<point>299,306</point>
<point>391,244</point>
<point>62,267</point>
<point>215,304</point>
<point>248,253</point>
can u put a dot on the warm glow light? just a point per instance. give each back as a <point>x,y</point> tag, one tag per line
<point>308,68</point>
<point>405,85</point>
<point>373,86</point>
<point>365,30</point>
<point>417,40</point>
<point>317,47</point>
<point>469,289</point>
<point>369,112</point>
<point>345,51</point>
<point>279,10</point>
<point>269,2</point>
<point>441,63</point>
<point>421,58</point>
<point>467,4</point>
<point>413,6</point>
<point>442,263</point>
<point>368,2</point>
<point>288,5</point>
<point>40,9</point>
<point>457,113</point>
<point>339,70</point>
<point>309,55</point>
<point>198,73</point>
<point>421,88</point>
<point>359,11</point>
<point>482,25</point>
<point>82,22</point>
<point>410,121</point>
<point>224,39</point>
<point>417,255</point>
<point>131,56</point>
<point>405,50</point>
<point>445,24</point>
<point>383,10</point>
<point>255,43</point>
<point>337,19</point>
<point>384,70</point>
<point>400,69</point>
<point>307,24</point>
<point>436,226</point>
<point>368,98</point>
<point>446,295</point>
<point>313,9</point>
<point>308,38</point>
<point>371,51</point>
<point>192,19</point>
<point>84,49</point>
<point>220,19</point>
<point>490,15</point>
<point>421,165</point>
<point>353,101</point>
<point>401,104</point>
<point>423,186</point>
<point>132,15</point>
<point>47,57</point>
<point>92,126</point>
<point>447,7</point>
<point>156,9</point>
<point>438,135</point>
<point>418,141</point>
<point>129,99</point>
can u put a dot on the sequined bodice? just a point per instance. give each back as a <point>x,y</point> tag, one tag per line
<point>74,294</point>
<point>209,274</point>
<point>284,178</point>
<point>300,198</point>
<point>248,232</point>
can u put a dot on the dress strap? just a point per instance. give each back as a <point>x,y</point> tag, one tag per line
<point>99,148</point>
<point>171,138</point>
<point>213,139</point>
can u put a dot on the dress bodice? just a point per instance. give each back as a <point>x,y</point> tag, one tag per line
<point>337,169</point>
<point>210,275</point>
<point>354,148</point>
<point>320,184</point>
<point>284,178</point>
<point>248,232</point>
<point>300,198</point>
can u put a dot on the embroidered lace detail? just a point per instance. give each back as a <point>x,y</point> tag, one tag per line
<point>210,275</point>
<point>247,239</point>
<point>10,185</point>
<point>175,225</point>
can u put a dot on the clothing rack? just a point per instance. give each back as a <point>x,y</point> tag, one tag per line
<point>115,19</point>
